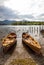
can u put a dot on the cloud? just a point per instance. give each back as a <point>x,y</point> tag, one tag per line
<point>1,2</point>
<point>6,13</point>
<point>22,9</point>
<point>41,17</point>
<point>29,16</point>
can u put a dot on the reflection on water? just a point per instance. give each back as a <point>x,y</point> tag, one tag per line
<point>33,30</point>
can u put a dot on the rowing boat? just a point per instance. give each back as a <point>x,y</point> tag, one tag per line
<point>8,41</point>
<point>31,42</point>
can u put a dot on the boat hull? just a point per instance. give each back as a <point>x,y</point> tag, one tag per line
<point>8,42</point>
<point>35,48</point>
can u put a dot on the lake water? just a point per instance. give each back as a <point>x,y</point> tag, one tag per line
<point>33,30</point>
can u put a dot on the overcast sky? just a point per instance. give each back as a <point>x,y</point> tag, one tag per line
<point>22,9</point>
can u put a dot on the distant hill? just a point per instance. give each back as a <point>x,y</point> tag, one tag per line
<point>6,22</point>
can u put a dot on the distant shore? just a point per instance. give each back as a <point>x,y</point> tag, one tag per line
<point>27,23</point>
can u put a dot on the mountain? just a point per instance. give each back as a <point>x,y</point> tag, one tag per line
<point>6,22</point>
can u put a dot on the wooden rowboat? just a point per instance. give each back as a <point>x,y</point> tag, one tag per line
<point>31,42</point>
<point>8,41</point>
